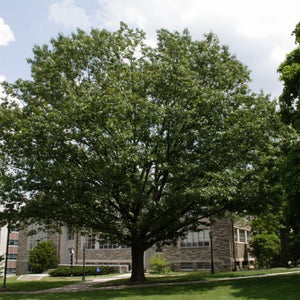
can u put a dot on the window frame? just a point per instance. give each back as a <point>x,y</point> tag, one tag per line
<point>196,239</point>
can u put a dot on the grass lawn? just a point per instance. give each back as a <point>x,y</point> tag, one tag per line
<point>283,287</point>
<point>44,283</point>
<point>196,276</point>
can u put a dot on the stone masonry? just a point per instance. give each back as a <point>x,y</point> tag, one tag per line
<point>229,247</point>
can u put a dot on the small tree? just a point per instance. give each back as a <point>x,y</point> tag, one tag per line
<point>265,247</point>
<point>159,264</point>
<point>43,257</point>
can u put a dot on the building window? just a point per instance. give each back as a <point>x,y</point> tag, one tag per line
<point>107,245</point>
<point>36,236</point>
<point>249,236</point>
<point>89,241</point>
<point>11,271</point>
<point>70,234</point>
<point>103,244</point>
<point>186,266</point>
<point>14,228</point>
<point>12,256</point>
<point>195,239</point>
<point>242,234</point>
<point>13,242</point>
<point>236,235</point>
<point>203,265</point>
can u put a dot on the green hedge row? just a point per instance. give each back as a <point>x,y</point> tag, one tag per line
<point>77,271</point>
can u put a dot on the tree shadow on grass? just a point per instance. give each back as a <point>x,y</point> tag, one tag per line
<point>269,288</point>
<point>285,287</point>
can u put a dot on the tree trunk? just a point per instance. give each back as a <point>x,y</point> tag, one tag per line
<point>137,257</point>
<point>283,246</point>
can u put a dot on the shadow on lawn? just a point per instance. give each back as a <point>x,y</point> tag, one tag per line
<point>286,287</point>
<point>269,288</point>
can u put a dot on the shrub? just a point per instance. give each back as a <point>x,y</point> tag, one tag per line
<point>77,271</point>
<point>42,257</point>
<point>159,264</point>
<point>265,247</point>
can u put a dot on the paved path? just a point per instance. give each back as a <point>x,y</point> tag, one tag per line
<point>89,285</point>
<point>29,277</point>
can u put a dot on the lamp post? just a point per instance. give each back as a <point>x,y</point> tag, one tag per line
<point>6,255</point>
<point>72,251</point>
<point>212,268</point>
<point>83,265</point>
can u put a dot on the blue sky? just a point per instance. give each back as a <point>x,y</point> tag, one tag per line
<point>257,31</point>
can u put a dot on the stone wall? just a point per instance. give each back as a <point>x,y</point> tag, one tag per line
<point>22,262</point>
<point>199,258</point>
<point>226,253</point>
<point>25,245</point>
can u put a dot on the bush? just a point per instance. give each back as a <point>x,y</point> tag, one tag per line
<point>43,257</point>
<point>77,271</point>
<point>159,264</point>
<point>265,247</point>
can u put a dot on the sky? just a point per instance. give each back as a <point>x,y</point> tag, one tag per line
<point>258,32</point>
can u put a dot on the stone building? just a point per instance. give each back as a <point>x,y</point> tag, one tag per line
<point>225,239</point>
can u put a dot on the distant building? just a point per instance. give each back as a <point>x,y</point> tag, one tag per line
<point>229,246</point>
<point>12,254</point>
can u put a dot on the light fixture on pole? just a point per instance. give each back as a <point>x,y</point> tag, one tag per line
<point>6,255</point>
<point>83,265</point>
<point>72,251</point>
<point>212,268</point>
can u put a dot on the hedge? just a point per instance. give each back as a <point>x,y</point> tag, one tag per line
<point>77,271</point>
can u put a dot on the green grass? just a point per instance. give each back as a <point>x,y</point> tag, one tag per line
<point>13,284</point>
<point>285,287</point>
<point>45,283</point>
<point>195,276</point>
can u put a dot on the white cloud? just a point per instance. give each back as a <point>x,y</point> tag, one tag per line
<point>69,15</point>
<point>6,34</point>
<point>258,32</point>
<point>252,19</point>
<point>279,53</point>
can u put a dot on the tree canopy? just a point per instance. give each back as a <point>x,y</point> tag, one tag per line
<point>290,109</point>
<point>289,72</point>
<point>139,143</point>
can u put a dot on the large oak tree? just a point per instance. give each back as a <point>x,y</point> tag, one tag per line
<point>139,143</point>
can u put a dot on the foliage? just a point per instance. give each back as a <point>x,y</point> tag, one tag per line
<point>43,257</point>
<point>159,264</point>
<point>290,110</point>
<point>291,184</point>
<point>294,248</point>
<point>78,271</point>
<point>290,76</point>
<point>139,143</point>
<point>265,247</point>
<point>265,243</point>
